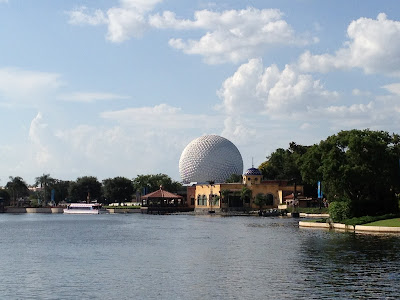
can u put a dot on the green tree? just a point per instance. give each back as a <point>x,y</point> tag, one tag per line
<point>60,188</point>
<point>245,194</point>
<point>85,188</point>
<point>260,200</point>
<point>4,194</point>
<point>234,178</point>
<point>17,188</point>
<point>44,181</point>
<point>118,189</point>
<point>151,183</point>
<point>359,165</point>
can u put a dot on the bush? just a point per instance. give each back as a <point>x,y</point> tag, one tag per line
<point>339,210</point>
<point>369,219</point>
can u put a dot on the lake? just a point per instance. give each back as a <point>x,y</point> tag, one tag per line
<point>134,256</point>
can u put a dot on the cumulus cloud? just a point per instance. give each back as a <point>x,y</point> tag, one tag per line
<point>373,46</point>
<point>127,20</point>
<point>89,97</point>
<point>36,132</point>
<point>285,93</point>
<point>233,35</point>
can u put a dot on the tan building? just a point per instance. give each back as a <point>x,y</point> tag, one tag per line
<point>229,196</point>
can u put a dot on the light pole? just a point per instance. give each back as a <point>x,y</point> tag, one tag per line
<point>211,182</point>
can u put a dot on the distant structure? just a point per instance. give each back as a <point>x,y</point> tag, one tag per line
<point>210,158</point>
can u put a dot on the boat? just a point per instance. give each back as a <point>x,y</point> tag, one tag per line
<point>84,208</point>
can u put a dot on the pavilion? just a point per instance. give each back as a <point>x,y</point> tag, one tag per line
<point>162,201</point>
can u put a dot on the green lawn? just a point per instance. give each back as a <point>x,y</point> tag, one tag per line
<point>388,223</point>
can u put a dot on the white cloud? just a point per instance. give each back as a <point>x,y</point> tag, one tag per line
<point>373,46</point>
<point>125,21</point>
<point>21,85</point>
<point>80,16</point>
<point>90,97</point>
<point>162,116</point>
<point>394,88</point>
<point>233,35</point>
<point>37,131</point>
<point>255,89</point>
<point>358,92</point>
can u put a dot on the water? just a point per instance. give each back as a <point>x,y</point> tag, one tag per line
<point>190,257</point>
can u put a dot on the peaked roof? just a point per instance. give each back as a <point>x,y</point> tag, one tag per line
<point>162,194</point>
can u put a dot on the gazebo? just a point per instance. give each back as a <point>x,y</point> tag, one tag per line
<point>162,201</point>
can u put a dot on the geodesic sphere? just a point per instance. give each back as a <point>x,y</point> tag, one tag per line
<point>210,158</point>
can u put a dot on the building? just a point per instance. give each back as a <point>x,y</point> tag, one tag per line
<point>221,197</point>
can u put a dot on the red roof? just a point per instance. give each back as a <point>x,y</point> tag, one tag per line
<point>162,194</point>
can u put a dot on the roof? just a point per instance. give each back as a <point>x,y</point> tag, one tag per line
<point>162,194</point>
<point>253,171</point>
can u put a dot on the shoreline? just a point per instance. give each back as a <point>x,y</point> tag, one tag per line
<point>349,228</point>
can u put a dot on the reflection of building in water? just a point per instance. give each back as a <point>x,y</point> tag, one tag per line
<point>233,196</point>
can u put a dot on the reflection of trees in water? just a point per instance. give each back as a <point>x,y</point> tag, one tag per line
<point>348,265</point>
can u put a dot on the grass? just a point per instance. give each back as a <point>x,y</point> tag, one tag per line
<point>311,210</point>
<point>386,223</point>
<point>368,219</point>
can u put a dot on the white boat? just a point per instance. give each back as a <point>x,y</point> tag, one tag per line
<point>84,208</point>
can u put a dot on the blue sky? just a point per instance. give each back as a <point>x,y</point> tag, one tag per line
<point>119,88</point>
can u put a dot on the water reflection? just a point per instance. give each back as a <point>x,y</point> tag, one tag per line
<point>351,266</point>
<point>190,257</point>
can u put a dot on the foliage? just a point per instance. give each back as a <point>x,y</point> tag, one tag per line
<point>234,178</point>
<point>245,194</point>
<point>6,196</point>
<point>283,164</point>
<point>286,165</point>
<point>224,195</point>
<point>44,181</point>
<point>339,210</point>
<point>61,188</point>
<point>118,189</point>
<point>260,200</point>
<point>17,188</point>
<point>369,219</point>
<point>150,183</point>
<point>360,165</point>
<point>84,188</point>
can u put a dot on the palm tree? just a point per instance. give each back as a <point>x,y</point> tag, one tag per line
<point>245,193</point>
<point>44,181</point>
<point>17,188</point>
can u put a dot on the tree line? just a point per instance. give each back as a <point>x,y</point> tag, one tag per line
<point>87,188</point>
<point>359,170</point>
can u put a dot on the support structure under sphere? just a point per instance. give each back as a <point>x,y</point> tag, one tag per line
<point>210,158</point>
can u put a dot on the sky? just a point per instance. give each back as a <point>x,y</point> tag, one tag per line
<point>119,88</point>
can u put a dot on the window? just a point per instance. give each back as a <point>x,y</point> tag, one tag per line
<point>192,201</point>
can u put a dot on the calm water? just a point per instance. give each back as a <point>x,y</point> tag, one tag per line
<point>190,257</point>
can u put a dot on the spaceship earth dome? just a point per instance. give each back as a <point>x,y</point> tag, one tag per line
<point>210,158</point>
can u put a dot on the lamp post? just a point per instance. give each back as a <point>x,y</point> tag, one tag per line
<point>211,182</point>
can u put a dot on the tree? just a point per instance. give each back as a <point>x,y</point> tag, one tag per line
<point>17,188</point>
<point>60,188</point>
<point>359,166</point>
<point>118,189</point>
<point>150,183</point>
<point>4,194</point>
<point>245,194</point>
<point>85,188</point>
<point>44,181</point>
<point>260,200</point>
<point>234,178</point>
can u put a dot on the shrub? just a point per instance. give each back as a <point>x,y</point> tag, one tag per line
<point>339,210</point>
<point>369,219</point>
